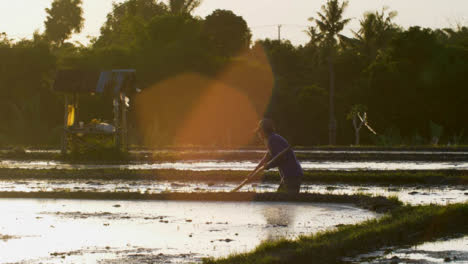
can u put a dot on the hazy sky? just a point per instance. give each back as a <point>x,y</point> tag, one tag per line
<point>19,18</point>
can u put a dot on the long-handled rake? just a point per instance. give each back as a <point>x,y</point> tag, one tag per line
<point>260,169</point>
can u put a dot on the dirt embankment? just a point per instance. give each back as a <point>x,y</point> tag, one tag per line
<point>351,177</point>
<point>316,154</point>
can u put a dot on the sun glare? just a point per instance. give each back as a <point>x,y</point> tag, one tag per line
<point>224,113</point>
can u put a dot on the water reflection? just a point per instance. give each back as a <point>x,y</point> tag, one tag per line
<point>453,250</point>
<point>240,165</point>
<point>304,151</point>
<point>280,216</point>
<point>413,194</point>
<point>74,231</point>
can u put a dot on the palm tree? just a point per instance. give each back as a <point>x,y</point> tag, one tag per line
<point>330,23</point>
<point>183,6</point>
<point>314,35</point>
<point>377,29</point>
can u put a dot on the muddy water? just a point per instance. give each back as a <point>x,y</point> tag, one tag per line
<point>305,151</point>
<point>445,250</point>
<point>242,165</point>
<point>412,194</point>
<point>64,231</point>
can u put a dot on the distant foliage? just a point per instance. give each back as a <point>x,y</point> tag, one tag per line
<point>436,132</point>
<point>63,18</point>
<point>227,33</point>
<point>390,137</point>
<point>375,33</point>
<point>28,108</point>
<point>405,77</point>
<point>178,7</point>
<point>127,20</point>
<point>330,20</point>
<point>457,138</point>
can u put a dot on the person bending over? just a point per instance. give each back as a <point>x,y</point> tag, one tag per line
<point>289,167</point>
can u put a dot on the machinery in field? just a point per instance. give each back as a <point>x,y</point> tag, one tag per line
<point>110,86</point>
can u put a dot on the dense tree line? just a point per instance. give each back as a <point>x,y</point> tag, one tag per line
<point>203,81</point>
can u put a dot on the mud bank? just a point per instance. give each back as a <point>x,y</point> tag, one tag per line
<point>452,177</point>
<point>319,154</point>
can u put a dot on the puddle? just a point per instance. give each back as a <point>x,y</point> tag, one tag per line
<point>442,251</point>
<point>241,165</point>
<point>412,194</point>
<point>75,231</point>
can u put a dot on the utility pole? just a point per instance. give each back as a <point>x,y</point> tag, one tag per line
<point>279,33</point>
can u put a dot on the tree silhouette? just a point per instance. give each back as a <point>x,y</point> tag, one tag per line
<point>125,18</point>
<point>63,18</point>
<point>330,23</point>
<point>377,29</point>
<point>406,77</point>
<point>314,35</point>
<point>227,32</point>
<point>183,6</point>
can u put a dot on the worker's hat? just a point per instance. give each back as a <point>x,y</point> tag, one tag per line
<point>266,126</point>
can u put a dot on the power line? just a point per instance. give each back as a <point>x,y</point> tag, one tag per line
<point>279,27</point>
<point>275,25</point>
<point>295,25</point>
<point>263,26</point>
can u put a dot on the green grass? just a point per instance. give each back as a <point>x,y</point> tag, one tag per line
<point>329,177</point>
<point>404,226</point>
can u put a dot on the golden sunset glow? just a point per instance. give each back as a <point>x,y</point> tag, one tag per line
<point>225,112</point>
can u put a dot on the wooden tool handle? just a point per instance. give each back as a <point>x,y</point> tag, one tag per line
<point>260,169</point>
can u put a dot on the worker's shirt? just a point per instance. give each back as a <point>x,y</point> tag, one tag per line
<point>289,167</point>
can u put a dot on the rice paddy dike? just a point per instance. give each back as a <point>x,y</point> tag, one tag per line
<point>450,177</point>
<point>194,154</point>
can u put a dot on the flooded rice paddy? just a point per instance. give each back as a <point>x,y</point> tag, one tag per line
<point>75,231</point>
<point>453,250</point>
<point>88,231</point>
<point>211,165</point>
<point>304,151</point>
<point>411,194</point>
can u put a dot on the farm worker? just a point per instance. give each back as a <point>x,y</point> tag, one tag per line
<point>289,167</point>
